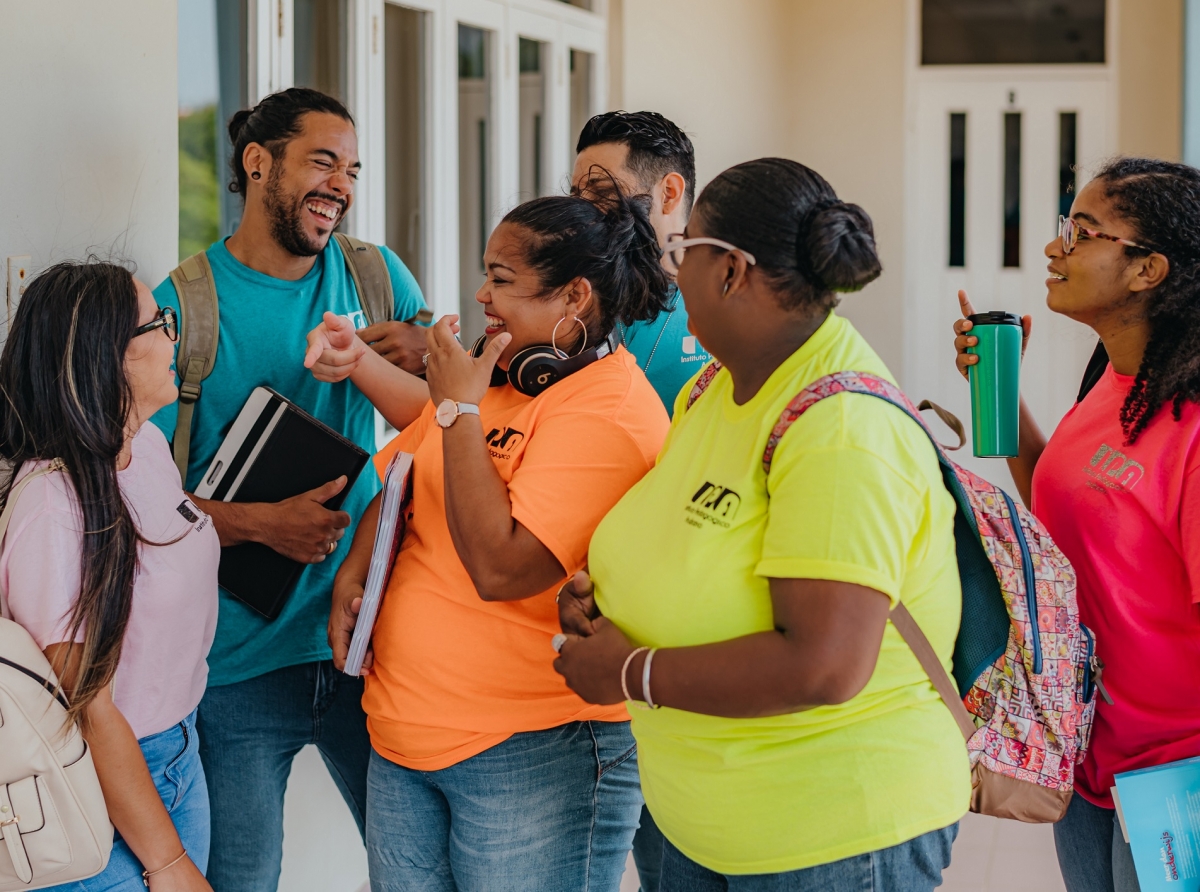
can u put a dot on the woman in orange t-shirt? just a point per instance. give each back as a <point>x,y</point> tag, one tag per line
<point>487,771</point>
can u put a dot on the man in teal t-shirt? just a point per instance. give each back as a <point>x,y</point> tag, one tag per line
<point>272,685</point>
<point>647,154</point>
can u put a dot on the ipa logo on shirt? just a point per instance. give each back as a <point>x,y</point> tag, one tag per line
<point>1114,469</point>
<point>692,350</point>
<point>504,440</point>
<point>714,503</point>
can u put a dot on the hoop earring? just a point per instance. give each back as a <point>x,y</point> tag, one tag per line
<point>554,346</point>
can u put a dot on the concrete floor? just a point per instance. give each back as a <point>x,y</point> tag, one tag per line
<point>322,851</point>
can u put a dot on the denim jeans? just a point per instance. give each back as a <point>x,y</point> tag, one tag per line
<point>1092,853</point>
<point>544,810</point>
<point>174,762</point>
<point>647,852</point>
<point>913,866</point>
<point>250,732</point>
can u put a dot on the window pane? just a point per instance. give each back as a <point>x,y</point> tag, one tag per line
<point>1066,162</point>
<point>1013,32</point>
<point>582,4</point>
<point>320,48</point>
<point>212,86</point>
<point>581,94</point>
<point>474,169</point>
<point>404,100</point>
<point>958,189</point>
<point>533,57</point>
<point>1012,189</point>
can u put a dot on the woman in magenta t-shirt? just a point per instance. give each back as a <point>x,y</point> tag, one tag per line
<point>1116,484</point>
<point>106,563</point>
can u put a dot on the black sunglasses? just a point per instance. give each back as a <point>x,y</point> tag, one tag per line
<point>166,320</point>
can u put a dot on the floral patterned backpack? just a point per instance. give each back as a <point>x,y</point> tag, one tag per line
<point>1025,669</point>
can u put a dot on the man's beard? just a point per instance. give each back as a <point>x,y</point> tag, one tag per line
<point>286,227</point>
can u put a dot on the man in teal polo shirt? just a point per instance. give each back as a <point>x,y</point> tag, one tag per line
<point>272,685</point>
<point>647,154</point>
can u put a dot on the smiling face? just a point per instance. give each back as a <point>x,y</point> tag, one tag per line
<point>149,361</point>
<point>310,187</point>
<point>513,299</point>
<point>1097,278</point>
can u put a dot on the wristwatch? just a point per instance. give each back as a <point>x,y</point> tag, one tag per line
<point>448,412</point>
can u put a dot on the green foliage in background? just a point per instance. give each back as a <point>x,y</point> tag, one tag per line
<point>198,182</point>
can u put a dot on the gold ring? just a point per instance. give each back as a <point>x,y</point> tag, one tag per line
<point>332,547</point>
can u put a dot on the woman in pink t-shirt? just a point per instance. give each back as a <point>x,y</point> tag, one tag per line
<point>106,563</point>
<point>1116,484</point>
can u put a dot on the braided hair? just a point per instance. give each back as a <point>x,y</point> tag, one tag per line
<point>1161,201</point>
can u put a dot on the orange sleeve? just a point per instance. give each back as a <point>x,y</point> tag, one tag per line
<point>575,468</point>
<point>406,441</point>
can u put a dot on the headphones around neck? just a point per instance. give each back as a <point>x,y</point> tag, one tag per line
<point>536,368</point>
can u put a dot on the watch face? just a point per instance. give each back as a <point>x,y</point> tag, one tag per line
<point>447,411</point>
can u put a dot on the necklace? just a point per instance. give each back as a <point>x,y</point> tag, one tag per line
<point>661,332</point>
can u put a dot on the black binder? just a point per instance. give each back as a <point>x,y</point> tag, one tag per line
<point>273,451</point>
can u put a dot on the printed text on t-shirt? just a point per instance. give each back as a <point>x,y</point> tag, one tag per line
<point>1113,469</point>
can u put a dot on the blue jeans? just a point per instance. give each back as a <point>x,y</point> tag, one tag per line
<point>647,852</point>
<point>913,866</point>
<point>1092,853</point>
<point>250,732</point>
<point>174,762</point>
<point>544,810</point>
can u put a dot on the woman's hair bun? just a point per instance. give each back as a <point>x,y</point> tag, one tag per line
<point>837,246</point>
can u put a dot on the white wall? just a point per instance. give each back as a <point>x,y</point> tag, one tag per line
<point>89,142</point>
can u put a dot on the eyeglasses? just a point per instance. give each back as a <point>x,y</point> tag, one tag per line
<point>166,320</point>
<point>1068,231</point>
<point>677,246</point>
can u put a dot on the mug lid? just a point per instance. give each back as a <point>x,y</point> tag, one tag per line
<point>995,317</point>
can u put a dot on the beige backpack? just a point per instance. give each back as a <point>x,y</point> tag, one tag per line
<point>54,826</point>
<point>199,325</point>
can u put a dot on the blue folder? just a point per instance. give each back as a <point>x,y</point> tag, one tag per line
<point>1160,814</point>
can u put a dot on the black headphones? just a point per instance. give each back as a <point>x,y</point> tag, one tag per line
<point>538,367</point>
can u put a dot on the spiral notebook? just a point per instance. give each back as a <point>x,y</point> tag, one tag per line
<point>389,534</point>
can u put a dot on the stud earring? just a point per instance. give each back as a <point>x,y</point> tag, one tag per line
<point>256,175</point>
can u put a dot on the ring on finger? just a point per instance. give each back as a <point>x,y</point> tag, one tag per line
<point>425,359</point>
<point>332,547</point>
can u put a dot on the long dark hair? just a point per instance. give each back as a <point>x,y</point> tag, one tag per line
<point>806,242</point>
<point>1161,201</point>
<point>64,394</point>
<point>606,238</point>
<point>272,124</point>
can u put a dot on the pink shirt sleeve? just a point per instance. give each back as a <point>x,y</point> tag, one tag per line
<point>39,565</point>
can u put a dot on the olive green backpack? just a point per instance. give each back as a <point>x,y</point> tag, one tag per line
<point>198,325</point>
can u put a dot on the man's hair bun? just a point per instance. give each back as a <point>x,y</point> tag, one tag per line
<point>837,245</point>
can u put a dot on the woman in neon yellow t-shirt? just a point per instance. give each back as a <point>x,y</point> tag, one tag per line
<point>799,745</point>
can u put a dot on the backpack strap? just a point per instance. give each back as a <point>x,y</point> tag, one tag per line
<point>197,351</point>
<point>10,503</point>
<point>701,385</point>
<point>371,278</point>
<point>906,625</point>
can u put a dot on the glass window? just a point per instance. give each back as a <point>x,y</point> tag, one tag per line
<point>1013,32</point>
<point>212,86</point>
<point>1066,162</point>
<point>582,4</point>
<point>581,94</point>
<point>474,171</point>
<point>405,85</point>
<point>533,57</point>
<point>1012,189</point>
<point>320,56</point>
<point>958,189</point>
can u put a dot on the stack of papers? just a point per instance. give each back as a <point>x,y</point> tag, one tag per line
<point>389,533</point>
<point>1159,810</point>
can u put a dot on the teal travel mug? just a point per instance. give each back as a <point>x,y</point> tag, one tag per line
<point>995,384</point>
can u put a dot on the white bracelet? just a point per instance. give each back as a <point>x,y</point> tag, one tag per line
<point>625,668</point>
<point>646,678</point>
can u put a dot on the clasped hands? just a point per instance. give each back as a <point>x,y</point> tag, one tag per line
<point>335,351</point>
<point>592,657</point>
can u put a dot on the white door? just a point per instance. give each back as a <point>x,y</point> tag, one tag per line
<point>997,154</point>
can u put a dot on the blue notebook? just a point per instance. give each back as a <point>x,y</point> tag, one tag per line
<point>1160,814</point>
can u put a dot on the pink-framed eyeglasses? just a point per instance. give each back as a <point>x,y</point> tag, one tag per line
<point>1068,231</point>
<point>677,245</point>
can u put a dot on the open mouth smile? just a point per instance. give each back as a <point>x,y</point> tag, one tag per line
<point>494,323</point>
<point>323,209</point>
